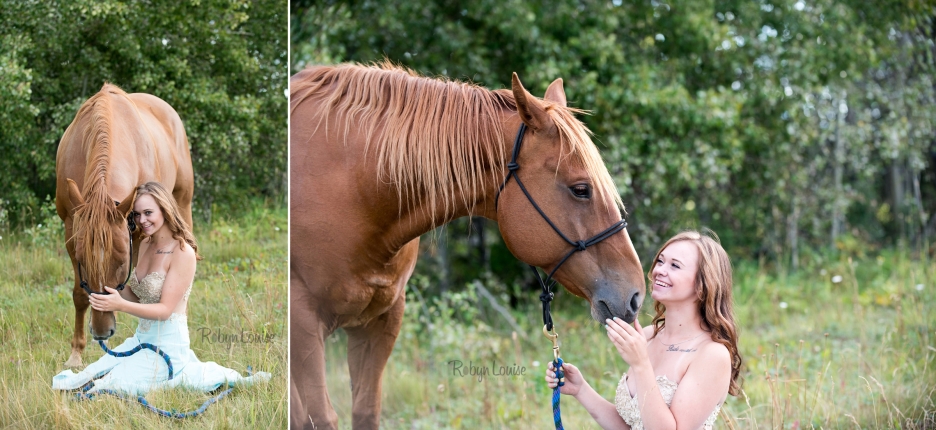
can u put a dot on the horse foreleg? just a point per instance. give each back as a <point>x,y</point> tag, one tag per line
<point>310,405</point>
<point>369,348</point>
<point>297,412</point>
<point>80,298</point>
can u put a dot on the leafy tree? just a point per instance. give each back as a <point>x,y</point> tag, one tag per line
<point>220,64</point>
<point>783,125</point>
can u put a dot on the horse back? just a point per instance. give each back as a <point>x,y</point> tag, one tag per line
<point>173,154</point>
<point>145,141</point>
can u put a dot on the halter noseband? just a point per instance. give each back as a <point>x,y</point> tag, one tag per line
<point>131,225</point>
<point>581,245</point>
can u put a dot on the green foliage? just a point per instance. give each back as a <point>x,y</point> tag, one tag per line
<point>781,125</point>
<point>220,64</point>
<point>48,232</point>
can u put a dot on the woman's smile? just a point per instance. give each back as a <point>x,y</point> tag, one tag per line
<point>148,214</point>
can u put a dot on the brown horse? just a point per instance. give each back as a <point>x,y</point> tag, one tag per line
<point>380,156</point>
<point>116,142</point>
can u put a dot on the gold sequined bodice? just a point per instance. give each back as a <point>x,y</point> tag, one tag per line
<point>629,409</point>
<point>149,289</point>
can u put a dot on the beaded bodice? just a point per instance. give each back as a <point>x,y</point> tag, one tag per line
<point>629,409</point>
<point>149,291</point>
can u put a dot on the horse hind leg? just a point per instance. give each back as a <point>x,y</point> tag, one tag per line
<point>369,348</point>
<point>183,197</point>
<point>78,338</point>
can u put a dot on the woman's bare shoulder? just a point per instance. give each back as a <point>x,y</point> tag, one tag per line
<point>712,353</point>
<point>184,255</point>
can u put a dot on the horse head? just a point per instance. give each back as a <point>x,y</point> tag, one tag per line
<point>565,176</point>
<point>102,247</point>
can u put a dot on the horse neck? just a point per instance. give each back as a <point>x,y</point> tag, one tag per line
<point>418,216</point>
<point>109,171</point>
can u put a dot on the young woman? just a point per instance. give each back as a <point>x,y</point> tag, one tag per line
<point>159,298</point>
<point>680,372</point>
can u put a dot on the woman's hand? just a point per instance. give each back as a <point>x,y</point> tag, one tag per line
<point>629,341</point>
<point>112,302</point>
<point>574,381</point>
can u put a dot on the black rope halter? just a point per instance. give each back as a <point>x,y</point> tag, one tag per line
<point>546,284</point>
<point>131,225</point>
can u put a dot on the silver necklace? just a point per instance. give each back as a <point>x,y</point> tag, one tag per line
<point>684,341</point>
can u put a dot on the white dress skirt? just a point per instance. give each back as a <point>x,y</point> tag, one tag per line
<point>146,370</point>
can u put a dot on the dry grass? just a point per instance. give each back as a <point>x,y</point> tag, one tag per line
<point>858,352</point>
<point>240,286</point>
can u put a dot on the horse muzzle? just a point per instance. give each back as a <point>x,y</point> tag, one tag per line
<point>110,332</point>
<point>606,306</point>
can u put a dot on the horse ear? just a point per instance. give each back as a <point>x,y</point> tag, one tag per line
<point>530,109</point>
<point>74,195</point>
<point>126,205</point>
<point>555,93</point>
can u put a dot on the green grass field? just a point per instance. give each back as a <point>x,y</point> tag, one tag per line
<point>819,352</point>
<point>240,286</point>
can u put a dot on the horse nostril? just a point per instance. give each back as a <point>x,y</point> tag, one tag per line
<point>635,303</point>
<point>606,308</point>
<point>111,333</point>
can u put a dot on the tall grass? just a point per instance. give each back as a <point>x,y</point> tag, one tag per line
<point>840,344</point>
<point>240,286</point>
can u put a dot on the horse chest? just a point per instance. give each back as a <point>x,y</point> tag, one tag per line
<point>380,292</point>
<point>384,290</point>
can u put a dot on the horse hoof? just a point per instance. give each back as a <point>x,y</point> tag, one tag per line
<point>73,361</point>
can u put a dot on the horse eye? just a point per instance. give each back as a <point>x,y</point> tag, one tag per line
<point>581,191</point>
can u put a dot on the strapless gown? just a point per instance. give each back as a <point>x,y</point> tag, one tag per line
<point>146,370</point>
<point>629,409</point>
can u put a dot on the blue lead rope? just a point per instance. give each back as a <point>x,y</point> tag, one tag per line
<point>170,414</point>
<point>137,349</point>
<point>550,332</point>
<point>142,400</point>
<point>557,418</point>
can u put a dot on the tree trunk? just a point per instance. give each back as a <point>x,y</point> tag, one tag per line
<point>442,259</point>
<point>478,242</point>
<point>896,198</point>
<point>838,157</point>
<point>792,232</point>
<point>919,235</point>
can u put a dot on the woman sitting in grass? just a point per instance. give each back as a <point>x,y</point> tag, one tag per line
<point>681,373</point>
<point>159,299</point>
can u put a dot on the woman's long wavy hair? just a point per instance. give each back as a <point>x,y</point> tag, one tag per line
<point>171,215</point>
<point>713,287</point>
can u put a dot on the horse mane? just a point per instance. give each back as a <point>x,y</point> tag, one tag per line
<point>436,137</point>
<point>93,217</point>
